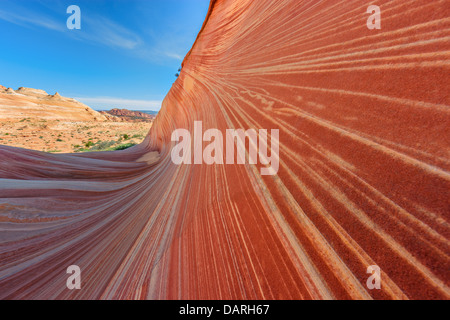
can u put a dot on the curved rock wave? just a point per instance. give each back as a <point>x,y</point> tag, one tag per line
<point>363,117</point>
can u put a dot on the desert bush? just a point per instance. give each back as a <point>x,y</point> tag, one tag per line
<point>123,146</point>
<point>102,145</point>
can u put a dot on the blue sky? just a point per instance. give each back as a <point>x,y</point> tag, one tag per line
<point>125,55</point>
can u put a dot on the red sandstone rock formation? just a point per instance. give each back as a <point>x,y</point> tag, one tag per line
<point>129,115</point>
<point>111,117</point>
<point>363,180</point>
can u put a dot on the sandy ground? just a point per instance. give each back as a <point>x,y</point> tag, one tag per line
<point>363,179</point>
<point>59,136</point>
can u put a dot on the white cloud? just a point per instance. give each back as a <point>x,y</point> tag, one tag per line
<point>95,29</point>
<point>104,31</point>
<point>106,103</point>
<point>174,56</point>
<point>26,20</point>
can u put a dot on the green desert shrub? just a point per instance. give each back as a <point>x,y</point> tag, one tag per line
<point>102,145</point>
<point>123,146</point>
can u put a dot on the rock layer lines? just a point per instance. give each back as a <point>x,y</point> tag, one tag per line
<point>363,180</point>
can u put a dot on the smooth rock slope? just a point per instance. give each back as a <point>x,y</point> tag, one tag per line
<point>363,180</point>
<point>35,103</point>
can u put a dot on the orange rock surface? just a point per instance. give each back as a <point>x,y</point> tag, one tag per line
<point>363,180</point>
<point>35,103</point>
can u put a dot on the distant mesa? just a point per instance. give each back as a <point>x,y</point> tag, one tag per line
<point>128,115</point>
